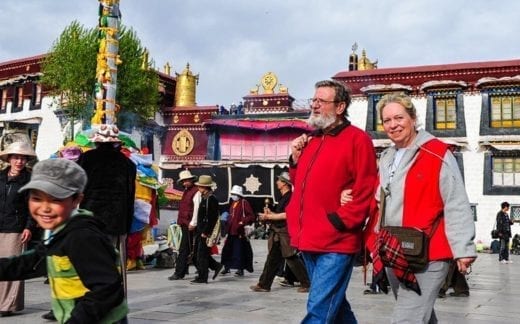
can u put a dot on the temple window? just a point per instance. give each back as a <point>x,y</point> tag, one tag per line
<point>506,171</point>
<point>474,211</point>
<point>15,98</point>
<point>500,113</point>
<point>36,97</point>
<point>20,96</point>
<point>505,111</point>
<point>17,105</point>
<point>378,120</point>
<point>445,113</point>
<point>501,172</point>
<point>374,125</point>
<point>445,110</point>
<point>3,107</point>
<point>514,211</point>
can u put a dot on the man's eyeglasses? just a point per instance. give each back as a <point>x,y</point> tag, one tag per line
<point>319,101</point>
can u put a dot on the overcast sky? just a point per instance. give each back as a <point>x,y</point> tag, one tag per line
<point>232,43</point>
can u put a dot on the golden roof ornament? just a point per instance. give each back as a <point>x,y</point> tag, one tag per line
<point>167,68</point>
<point>365,64</point>
<point>269,82</point>
<point>186,87</point>
<point>254,91</point>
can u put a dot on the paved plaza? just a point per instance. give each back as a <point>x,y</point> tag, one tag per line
<point>495,298</point>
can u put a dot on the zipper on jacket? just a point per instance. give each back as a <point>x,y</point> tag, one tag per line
<point>304,182</point>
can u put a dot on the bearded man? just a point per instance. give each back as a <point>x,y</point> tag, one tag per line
<point>334,157</point>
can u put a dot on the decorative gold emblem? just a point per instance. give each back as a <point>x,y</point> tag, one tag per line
<point>269,82</point>
<point>196,118</point>
<point>252,184</point>
<point>175,119</point>
<point>183,143</point>
<point>265,102</point>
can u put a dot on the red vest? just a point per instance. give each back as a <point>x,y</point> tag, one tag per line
<point>186,206</point>
<point>422,201</point>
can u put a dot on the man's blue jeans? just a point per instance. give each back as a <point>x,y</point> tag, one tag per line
<point>329,274</point>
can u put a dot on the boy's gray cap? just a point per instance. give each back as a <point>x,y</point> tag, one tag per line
<point>59,178</point>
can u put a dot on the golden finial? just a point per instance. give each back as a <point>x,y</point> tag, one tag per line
<point>185,89</point>
<point>364,63</point>
<point>254,91</point>
<point>167,68</point>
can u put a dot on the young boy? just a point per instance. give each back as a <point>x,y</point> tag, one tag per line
<point>86,286</point>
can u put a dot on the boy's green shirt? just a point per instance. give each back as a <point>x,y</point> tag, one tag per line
<point>85,281</point>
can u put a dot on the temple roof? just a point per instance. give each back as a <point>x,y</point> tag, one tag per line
<point>416,76</point>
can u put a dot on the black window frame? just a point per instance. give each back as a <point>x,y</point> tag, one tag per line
<point>485,113</point>
<point>514,212</point>
<point>489,188</point>
<point>17,103</point>
<point>430,122</point>
<point>3,108</point>
<point>371,122</point>
<point>474,211</point>
<point>34,104</point>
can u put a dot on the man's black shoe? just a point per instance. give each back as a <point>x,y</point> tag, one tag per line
<point>49,316</point>
<point>286,283</point>
<point>174,277</point>
<point>6,313</point>
<point>198,281</point>
<point>225,271</point>
<point>217,271</point>
<point>239,273</point>
<point>460,294</point>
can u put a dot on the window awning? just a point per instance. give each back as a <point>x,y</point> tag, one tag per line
<point>32,120</point>
<point>506,147</point>
<point>264,125</point>
<point>501,143</point>
<point>456,141</point>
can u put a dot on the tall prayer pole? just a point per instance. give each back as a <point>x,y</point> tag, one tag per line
<point>107,61</point>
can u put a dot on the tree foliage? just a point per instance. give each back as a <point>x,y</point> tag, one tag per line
<point>69,71</point>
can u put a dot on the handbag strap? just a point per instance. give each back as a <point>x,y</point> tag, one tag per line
<point>382,210</point>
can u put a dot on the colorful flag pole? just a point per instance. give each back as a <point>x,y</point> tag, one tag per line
<point>107,61</point>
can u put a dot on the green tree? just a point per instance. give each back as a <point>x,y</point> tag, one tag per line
<point>69,71</point>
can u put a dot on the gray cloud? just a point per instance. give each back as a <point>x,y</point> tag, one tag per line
<point>231,44</point>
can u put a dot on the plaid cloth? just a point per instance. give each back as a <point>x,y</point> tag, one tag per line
<point>387,252</point>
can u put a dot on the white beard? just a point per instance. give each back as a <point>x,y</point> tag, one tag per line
<point>321,122</point>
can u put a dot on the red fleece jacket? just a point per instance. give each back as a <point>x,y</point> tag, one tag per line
<point>342,159</point>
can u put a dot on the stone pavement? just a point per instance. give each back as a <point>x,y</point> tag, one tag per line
<point>495,298</point>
